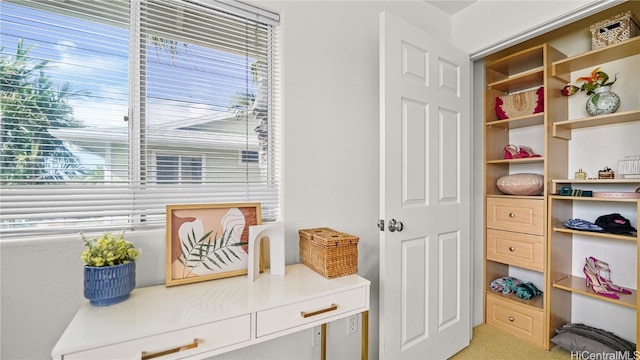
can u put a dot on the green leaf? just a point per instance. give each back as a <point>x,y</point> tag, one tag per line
<point>234,254</point>
<point>219,258</point>
<point>594,100</point>
<point>210,253</point>
<point>238,244</point>
<point>214,262</point>
<point>207,266</point>
<point>215,240</point>
<point>226,255</point>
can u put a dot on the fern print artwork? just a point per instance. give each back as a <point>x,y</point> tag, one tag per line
<point>209,242</point>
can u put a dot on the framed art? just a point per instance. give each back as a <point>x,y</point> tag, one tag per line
<point>208,241</point>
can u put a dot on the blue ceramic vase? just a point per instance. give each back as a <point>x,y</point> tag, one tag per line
<point>108,285</point>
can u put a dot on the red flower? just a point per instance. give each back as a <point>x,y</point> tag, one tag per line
<point>570,90</point>
<point>596,79</point>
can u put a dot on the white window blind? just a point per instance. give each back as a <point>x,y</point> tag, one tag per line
<point>112,110</point>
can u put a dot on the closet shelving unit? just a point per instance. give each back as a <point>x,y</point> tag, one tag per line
<point>515,226</point>
<point>560,208</point>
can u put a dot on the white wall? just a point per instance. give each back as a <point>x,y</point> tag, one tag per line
<point>487,23</point>
<point>330,178</point>
<point>330,172</point>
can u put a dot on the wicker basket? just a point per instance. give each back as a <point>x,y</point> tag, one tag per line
<point>328,252</point>
<point>614,30</point>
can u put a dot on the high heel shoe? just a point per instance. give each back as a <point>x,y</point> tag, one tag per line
<point>511,152</point>
<point>593,281</point>
<point>525,151</point>
<point>604,272</point>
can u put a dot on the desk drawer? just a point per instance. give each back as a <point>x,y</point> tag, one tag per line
<point>518,319</point>
<point>210,337</point>
<point>520,215</point>
<point>289,316</point>
<point>517,249</point>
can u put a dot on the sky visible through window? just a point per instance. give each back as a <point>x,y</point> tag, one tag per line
<point>197,82</point>
<point>79,53</point>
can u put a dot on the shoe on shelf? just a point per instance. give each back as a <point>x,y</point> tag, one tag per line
<point>526,152</point>
<point>511,152</point>
<point>584,225</point>
<point>604,272</point>
<point>594,282</point>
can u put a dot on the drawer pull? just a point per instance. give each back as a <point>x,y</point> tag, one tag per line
<point>511,318</point>
<point>512,249</point>
<point>146,356</point>
<point>317,312</point>
<point>512,215</point>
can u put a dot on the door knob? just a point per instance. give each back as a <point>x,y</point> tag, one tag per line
<point>395,225</point>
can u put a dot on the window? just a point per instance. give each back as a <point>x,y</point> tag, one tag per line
<point>249,156</point>
<point>113,109</point>
<point>178,169</point>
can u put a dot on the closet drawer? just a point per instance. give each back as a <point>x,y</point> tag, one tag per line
<point>518,319</point>
<point>520,215</point>
<point>289,316</point>
<point>517,249</point>
<point>175,344</point>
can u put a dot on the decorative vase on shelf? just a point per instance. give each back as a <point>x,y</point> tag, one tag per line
<point>603,101</point>
<point>108,285</point>
<point>110,268</point>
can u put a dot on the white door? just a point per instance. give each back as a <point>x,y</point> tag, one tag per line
<point>425,185</point>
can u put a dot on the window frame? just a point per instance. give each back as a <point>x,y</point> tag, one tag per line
<point>139,166</point>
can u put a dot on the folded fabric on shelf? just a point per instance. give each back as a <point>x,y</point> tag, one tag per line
<point>505,284</point>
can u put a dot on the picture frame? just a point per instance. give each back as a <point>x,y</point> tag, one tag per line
<point>208,241</point>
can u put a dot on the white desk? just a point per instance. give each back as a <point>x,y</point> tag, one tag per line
<point>200,320</point>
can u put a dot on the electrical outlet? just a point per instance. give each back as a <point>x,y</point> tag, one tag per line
<point>316,336</point>
<point>352,324</point>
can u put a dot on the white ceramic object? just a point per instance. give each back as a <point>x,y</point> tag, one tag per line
<point>275,233</point>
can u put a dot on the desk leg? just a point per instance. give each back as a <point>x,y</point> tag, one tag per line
<point>365,335</point>
<point>323,342</point>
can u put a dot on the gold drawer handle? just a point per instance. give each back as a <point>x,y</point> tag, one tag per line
<point>317,312</point>
<point>511,318</point>
<point>512,215</point>
<point>146,356</point>
<point>512,249</point>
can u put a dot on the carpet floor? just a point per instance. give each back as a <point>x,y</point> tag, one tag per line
<point>491,343</point>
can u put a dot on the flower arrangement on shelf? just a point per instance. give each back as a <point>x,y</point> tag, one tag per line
<point>108,250</point>
<point>590,83</point>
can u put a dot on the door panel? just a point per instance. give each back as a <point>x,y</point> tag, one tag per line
<point>425,149</point>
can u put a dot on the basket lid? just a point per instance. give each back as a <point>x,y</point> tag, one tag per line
<point>328,236</point>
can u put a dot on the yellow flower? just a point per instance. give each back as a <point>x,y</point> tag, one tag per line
<point>108,250</point>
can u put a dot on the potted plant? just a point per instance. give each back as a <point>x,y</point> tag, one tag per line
<point>110,268</point>
<point>602,100</point>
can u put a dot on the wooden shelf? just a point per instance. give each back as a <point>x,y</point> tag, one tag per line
<point>516,63</point>
<point>525,80</point>
<point>562,129</point>
<point>561,229</point>
<point>578,285</point>
<point>596,199</point>
<point>517,161</point>
<point>528,197</point>
<point>536,302</point>
<point>563,67</point>
<point>596,181</point>
<point>519,122</point>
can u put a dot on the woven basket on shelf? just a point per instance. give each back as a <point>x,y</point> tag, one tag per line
<point>328,252</point>
<point>614,30</point>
